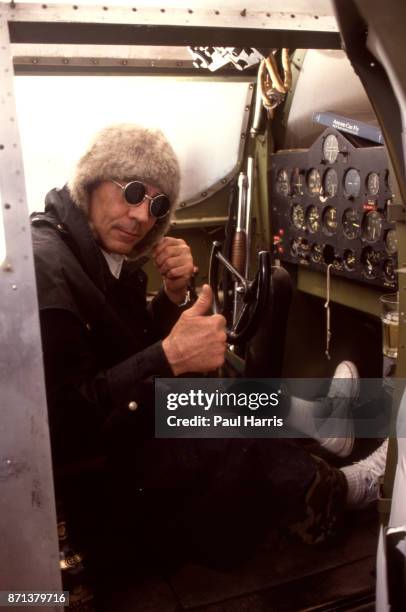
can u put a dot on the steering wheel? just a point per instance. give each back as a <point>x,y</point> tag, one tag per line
<point>252,296</point>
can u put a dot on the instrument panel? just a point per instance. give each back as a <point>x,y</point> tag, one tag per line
<point>329,207</point>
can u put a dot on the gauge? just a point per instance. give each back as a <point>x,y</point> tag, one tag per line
<point>298,182</point>
<point>328,254</point>
<point>372,226</point>
<point>299,247</point>
<point>391,241</point>
<point>373,183</point>
<point>389,270</point>
<point>330,219</point>
<point>298,216</point>
<point>330,149</point>
<point>330,183</point>
<point>352,183</point>
<point>351,223</point>
<point>314,181</point>
<point>313,219</point>
<point>338,264</point>
<point>282,183</point>
<point>370,260</point>
<point>316,253</point>
<point>349,260</point>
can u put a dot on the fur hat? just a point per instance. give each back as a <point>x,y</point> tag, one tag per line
<point>125,152</point>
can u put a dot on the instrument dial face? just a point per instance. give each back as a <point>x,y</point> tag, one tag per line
<point>391,241</point>
<point>352,183</point>
<point>314,181</point>
<point>317,253</point>
<point>351,224</point>
<point>349,260</point>
<point>372,226</point>
<point>370,260</point>
<point>330,183</point>
<point>299,247</point>
<point>330,219</point>
<point>298,182</point>
<point>389,270</point>
<point>282,183</point>
<point>313,219</point>
<point>330,149</point>
<point>373,183</point>
<point>298,216</point>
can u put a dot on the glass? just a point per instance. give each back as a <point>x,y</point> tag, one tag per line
<point>390,323</point>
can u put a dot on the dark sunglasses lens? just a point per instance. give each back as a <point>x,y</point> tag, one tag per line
<point>134,192</point>
<point>160,206</point>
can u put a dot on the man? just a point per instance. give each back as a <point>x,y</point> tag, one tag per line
<point>103,344</point>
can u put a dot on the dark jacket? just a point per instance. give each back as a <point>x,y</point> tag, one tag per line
<point>101,343</point>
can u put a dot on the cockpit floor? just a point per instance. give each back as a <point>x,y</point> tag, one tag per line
<point>283,576</point>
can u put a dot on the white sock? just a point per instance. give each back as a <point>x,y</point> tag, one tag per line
<point>363,477</point>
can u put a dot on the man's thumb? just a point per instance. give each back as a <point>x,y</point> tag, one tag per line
<point>203,302</point>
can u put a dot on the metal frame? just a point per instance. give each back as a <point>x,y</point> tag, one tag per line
<point>29,555</point>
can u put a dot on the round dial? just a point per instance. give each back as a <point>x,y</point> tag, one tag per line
<point>372,226</point>
<point>330,149</point>
<point>313,219</point>
<point>299,247</point>
<point>370,260</point>
<point>349,260</point>
<point>314,181</point>
<point>373,183</point>
<point>316,253</point>
<point>389,270</point>
<point>391,241</point>
<point>352,183</point>
<point>338,263</point>
<point>330,219</point>
<point>330,183</point>
<point>351,223</point>
<point>298,216</point>
<point>298,182</point>
<point>282,183</point>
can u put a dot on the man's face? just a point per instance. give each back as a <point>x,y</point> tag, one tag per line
<point>119,227</point>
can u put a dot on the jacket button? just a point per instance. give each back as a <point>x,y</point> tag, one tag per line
<point>132,406</point>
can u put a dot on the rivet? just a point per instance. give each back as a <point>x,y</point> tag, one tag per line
<point>268,14</point>
<point>132,406</point>
<point>190,11</point>
<point>217,12</point>
<point>75,7</point>
<point>1,147</point>
<point>293,16</point>
<point>243,136</point>
<point>34,61</point>
<point>243,13</point>
<point>14,287</point>
<point>179,63</point>
<point>182,204</point>
<point>95,61</point>
<point>247,108</point>
<point>162,10</point>
<point>60,226</point>
<point>153,64</point>
<point>224,181</point>
<point>372,64</point>
<point>7,267</point>
<point>204,194</point>
<point>65,61</point>
<point>7,206</point>
<point>251,86</point>
<point>124,62</point>
<point>134,10</point>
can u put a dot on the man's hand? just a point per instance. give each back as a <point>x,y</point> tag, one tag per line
<point>174,261</point>
<point>197,343</point>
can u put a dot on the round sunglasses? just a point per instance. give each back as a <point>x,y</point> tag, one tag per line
<point>134,193</point>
